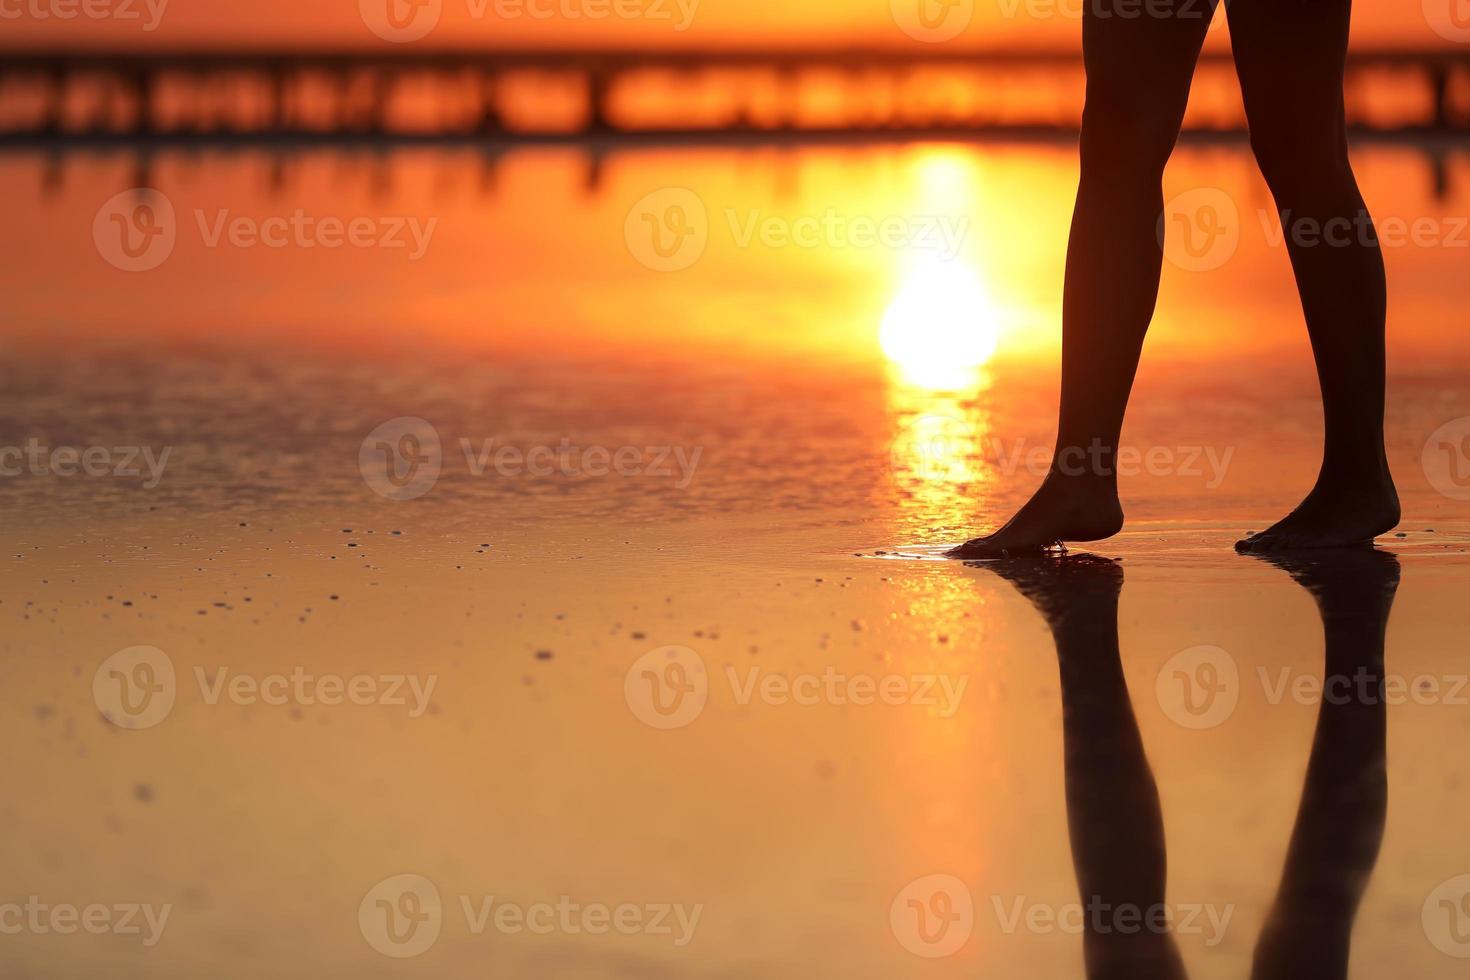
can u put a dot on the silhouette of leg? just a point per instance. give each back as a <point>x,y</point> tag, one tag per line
<point>1339,823</point>
<point>1289,55</point>
<point>1139,68</point>
<point>1113,812</point>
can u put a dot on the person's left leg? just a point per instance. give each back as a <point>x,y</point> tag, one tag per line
<point>1290,56</point>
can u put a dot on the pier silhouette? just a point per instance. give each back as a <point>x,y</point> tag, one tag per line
<point>143,104</point>
<point>359,87</point>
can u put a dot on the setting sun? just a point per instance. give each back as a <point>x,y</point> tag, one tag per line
<point>941,327</point>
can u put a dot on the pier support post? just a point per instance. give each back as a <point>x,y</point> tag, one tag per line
<point>1439,83</point>
<point>599,86</point>
<point>490,121</point>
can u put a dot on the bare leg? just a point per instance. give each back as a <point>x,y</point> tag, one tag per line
<point>1339,823</point>
<point>1290,54</point>
<point>1138,75</point>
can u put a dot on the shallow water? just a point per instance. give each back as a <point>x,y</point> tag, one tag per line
<point>783,482</point>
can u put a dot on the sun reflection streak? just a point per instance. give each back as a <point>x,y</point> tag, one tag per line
<point>938,450</point>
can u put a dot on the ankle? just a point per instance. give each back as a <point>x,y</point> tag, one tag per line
<point>1341,471</point>
<point>1092,464</point>
<point>1083,486</point>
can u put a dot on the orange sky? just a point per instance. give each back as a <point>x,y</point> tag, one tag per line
<point>705,23</point>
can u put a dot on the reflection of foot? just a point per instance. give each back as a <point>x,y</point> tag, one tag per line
<point>1332,516</point>
<point>1354,583</point>
<point>1070,591</point>
<point>1061,584</point>
<point>1064,509</point>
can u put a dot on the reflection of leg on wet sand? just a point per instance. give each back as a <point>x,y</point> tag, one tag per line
<point>1113,813</point>
<point>1339,823</point>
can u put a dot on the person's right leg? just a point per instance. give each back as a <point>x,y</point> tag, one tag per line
<point>1139,64</point>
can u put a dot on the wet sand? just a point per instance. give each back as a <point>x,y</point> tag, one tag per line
<point>870,718</point>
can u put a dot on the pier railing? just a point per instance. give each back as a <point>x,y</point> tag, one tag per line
<point>361,85</point>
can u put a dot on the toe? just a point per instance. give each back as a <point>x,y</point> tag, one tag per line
<point>966,550</point>
<point>1256,543</point>
<point>996,546</point>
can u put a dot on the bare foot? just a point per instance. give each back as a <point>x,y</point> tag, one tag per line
<point>1064,509</point>
<point>1336,514</point>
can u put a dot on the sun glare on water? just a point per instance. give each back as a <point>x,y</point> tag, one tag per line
<point>941,328</point>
